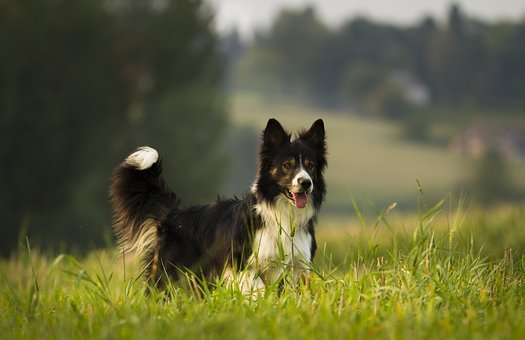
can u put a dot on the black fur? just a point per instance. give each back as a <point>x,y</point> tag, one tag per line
<point>208,238</point>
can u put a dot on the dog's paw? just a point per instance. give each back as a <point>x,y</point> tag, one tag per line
<point>143,158</point>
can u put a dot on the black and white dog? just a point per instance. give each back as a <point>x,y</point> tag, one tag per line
<point>257,238</point>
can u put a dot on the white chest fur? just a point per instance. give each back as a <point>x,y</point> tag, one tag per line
<point>283,242</point>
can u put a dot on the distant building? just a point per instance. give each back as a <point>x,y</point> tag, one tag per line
<point>414,90</point>
<point>475,141</point>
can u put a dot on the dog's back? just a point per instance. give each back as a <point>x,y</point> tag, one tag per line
<point>148,220</point>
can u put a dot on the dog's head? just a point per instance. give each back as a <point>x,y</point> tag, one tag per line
<point>293,169</point>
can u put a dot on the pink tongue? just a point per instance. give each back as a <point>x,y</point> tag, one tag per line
<point>300,199</point>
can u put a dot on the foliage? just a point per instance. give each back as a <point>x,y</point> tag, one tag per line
<point>461,62</point>
<point>492,180</point>
<point>429,282</point>
<point>277,63</point>
<point>416,128</point>
<point>388,101</point>
<point>85,82</point>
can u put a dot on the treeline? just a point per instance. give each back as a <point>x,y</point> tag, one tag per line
<point>84,82</point>
<point>384,69</point>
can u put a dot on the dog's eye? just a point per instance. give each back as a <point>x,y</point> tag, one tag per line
<point>287,166</point>
<point>310,165</point>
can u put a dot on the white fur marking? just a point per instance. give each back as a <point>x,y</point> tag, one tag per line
<point>284,240</point>
<point>143,242</point>
<point>253,187</point>
<point>303,174</point>
<point>143,158</point>
<point>247,281</point>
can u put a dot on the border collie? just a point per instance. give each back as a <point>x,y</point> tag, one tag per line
<point>257,239</point>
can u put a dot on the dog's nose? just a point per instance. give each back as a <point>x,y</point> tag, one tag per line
<point>305,183</point>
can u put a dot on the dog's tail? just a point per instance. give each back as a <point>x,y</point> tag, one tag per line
<point>141,200</point>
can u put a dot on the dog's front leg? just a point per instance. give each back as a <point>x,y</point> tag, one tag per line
<point>248,281</point>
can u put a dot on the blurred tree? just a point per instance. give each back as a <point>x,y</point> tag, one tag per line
<point>456,21</point>
<point>463,62</point>
<point>491,182</point>
<point>421,38</point>
<point>370,89</point>
<point>172,58</point>
<point>232,48</point>
<point>288,55</point>
<point>61,100</point>
<point>359,81</point>
<point>259,70</point>
<point>416,125</point>
<point>502,82</point>
<point>388,100</point>
<point>84,82</point>
<point>297,36</point>
<point>365,41</point>
<point>457,56</point>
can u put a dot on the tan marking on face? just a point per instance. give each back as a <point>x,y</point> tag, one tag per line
<point>290,161</point>
<point>308,164</point>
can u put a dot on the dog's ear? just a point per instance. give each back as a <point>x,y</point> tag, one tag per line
<point>316,135</point>
<point>274,135</point>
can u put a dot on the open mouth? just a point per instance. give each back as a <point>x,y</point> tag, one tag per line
<point>299,199</point>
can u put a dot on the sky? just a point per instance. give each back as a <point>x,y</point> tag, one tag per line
<point>249,15</point>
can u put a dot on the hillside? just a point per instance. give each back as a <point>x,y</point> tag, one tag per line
<point>368,158</point>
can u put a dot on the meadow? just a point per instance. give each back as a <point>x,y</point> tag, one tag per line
<point>399,257</point>
<point>448,271</point>
<point>369,157</point>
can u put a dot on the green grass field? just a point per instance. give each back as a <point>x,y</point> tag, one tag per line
<point>425,275</point>
<point>424,268</point>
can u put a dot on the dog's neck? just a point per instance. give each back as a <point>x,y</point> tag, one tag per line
<point>283,240</point>
<point>283,215</point>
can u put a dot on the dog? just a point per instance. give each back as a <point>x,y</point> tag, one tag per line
<point>257,239</point>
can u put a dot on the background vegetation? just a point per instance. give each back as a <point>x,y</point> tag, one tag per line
<point>369,66</point>
<point>414,114</point>
<point>85,82</point>
<point>428,101</point>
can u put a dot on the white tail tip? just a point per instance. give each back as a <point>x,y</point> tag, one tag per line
<point>143,158</point>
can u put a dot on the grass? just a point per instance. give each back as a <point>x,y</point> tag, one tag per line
<point>386,275</point>
<point>447,271</point>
